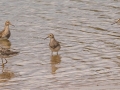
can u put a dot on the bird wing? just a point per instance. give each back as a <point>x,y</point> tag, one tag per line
<point>1,33</point>
<point>54,44</point>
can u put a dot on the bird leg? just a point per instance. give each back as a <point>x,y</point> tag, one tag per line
<point>3,62</point>
<point>6,61</point>
<point>52,53</point>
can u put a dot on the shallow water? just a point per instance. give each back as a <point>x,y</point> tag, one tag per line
<point>90,55</point>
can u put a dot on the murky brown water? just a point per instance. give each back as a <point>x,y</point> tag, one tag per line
<point>90,55</point>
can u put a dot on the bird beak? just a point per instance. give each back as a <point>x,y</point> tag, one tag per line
<point>45,38</point>
<point>12,25</point>
<point>113,23</point>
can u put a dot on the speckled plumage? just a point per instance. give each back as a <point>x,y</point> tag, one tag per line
<point>54,45</point>
<point>5,33</point>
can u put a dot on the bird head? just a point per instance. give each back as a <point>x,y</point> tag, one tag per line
<point>7,23</point>
<point>50,36</point>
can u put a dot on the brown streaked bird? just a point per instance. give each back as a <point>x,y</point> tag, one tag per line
<point>54,45</point>
<point>116,21</point>
<point>6,32</point>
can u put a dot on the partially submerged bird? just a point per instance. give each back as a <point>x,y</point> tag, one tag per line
<point>116,21</point>
<point>54,45</point>
<point>6,32</point>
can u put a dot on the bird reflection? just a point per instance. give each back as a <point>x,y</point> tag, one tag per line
<point>5,51</point>
<point>5,43</point>
<point>6,74</point>
<point>55,59</point>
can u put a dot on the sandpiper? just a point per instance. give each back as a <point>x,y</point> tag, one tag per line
<point>116,21</point>
<point>53,45</point>
<point>6,53</point>
<point>6,32</point>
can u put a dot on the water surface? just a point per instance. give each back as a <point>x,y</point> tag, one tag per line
<point>90,55</point>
